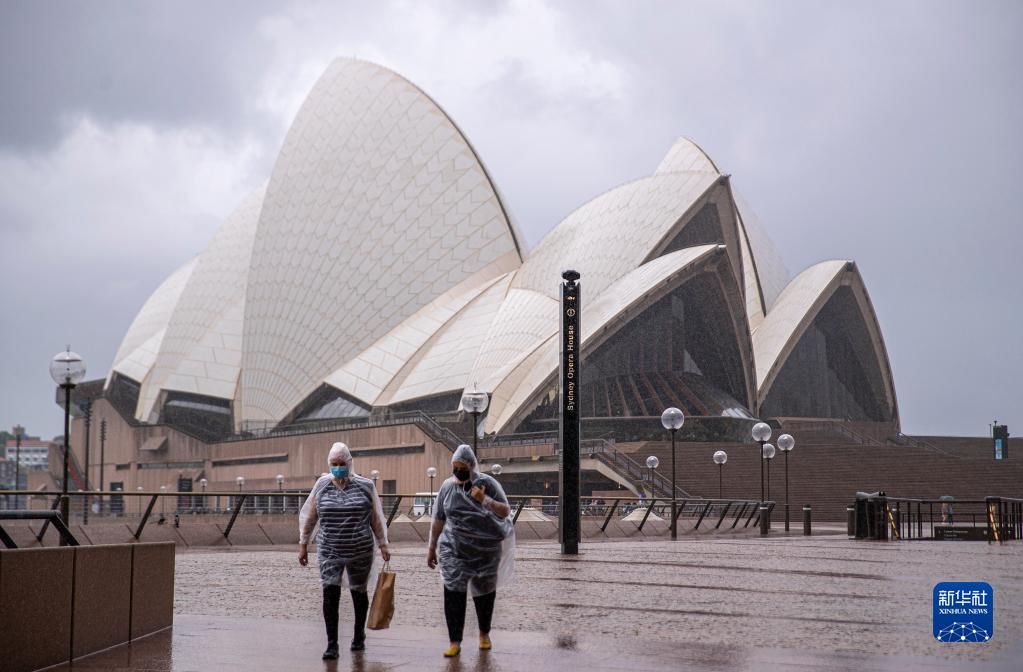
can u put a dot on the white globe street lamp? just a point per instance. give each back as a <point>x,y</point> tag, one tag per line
<point>431,473</point>
<point>475,402</point>
<point>672,419</point>
<point>761,434</point>
<point>785,444</point>
<point>768,453</point>
<point>720,457</point>
<point>67,370</point>
<point>651,464</point>
<point>202,484</point>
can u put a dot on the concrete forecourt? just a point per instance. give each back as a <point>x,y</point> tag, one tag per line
<point>742,603</point>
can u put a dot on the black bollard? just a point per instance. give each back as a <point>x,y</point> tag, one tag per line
<point>807,518</point>
<point>765,520</point>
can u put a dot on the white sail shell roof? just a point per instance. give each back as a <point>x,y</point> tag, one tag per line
<point>141,344</point>
<point>380,261</point>
<point>377,206</point>
<point>642,285</point>
<point>201,351</point>
<point>795,310</point>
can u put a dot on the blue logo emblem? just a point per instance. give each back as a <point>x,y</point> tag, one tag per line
<point>964,611</point>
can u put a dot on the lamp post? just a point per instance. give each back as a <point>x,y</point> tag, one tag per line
<point>375,474</point>
<point>720,457</point>
<point>431,473</point>
<point>241,483</point>
<point>651,464</point>
<point>139,500</point>
<point>761,434</point>
<point>672,420</point>
<point>280,489</point>
<point>496,469</point>
<point>87,409</point>
<point>768,452</point>
<point>19,431</point>
<point>785,444</point>
<point>102,457</point>
<point>67,370</point>
<point>163,501</point>
<point>202,484</point>
<point>475,402</point>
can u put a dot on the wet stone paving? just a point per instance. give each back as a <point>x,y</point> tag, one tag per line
<point>715,603</point>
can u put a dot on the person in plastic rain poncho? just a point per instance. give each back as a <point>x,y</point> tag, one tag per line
<point>474,539</point>
<point>351,519</point>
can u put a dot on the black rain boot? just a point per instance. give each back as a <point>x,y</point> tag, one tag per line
<point>331,599</point>
<point>360,600</point>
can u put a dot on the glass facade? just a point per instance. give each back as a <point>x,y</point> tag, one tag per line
<point>436,405</point>
<point>681,351</point>
<point>124,395</point>
<point>208,418</point>
<point>328,403</point>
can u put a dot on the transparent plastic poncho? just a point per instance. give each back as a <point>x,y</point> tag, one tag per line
<point>351,527</point>
<point>475,548</point>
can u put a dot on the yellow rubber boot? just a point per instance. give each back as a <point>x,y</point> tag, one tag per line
<point>484,642</point>
<point>452,650</point>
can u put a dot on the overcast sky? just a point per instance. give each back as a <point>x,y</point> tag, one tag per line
<point>884,132</point>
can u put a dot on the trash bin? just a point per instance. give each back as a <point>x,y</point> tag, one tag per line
<point>863,527</point>
<point>880,517</point>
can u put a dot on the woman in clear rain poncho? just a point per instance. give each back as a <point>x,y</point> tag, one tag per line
<point>474,539</point>
<point>351,522</point>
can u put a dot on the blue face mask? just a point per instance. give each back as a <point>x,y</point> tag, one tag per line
<point>339,472</point>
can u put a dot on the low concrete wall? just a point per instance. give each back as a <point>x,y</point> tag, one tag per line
<point>58,604</point>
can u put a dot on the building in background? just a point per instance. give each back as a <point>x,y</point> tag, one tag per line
<point>35,452</point>
<point>379,274</point>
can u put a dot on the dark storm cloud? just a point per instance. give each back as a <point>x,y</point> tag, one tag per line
<point>157,62</point>
<point>887,133</point>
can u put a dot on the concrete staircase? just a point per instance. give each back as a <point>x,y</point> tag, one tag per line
<point>827,473</point>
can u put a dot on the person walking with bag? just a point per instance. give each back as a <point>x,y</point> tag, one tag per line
<point>351,521</point>
<point>473,538</point>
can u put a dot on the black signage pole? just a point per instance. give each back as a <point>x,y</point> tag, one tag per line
<point>569,526</point>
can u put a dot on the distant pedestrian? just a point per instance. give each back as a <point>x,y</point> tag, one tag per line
<point>474,540</point>
<point>351,521</point>
<point>946,509</point>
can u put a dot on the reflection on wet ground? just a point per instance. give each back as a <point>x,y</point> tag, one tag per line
<point>775,604</point>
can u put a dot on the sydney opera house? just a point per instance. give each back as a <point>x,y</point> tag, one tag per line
<point>379,274</point>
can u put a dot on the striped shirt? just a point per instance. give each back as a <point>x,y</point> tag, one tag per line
<point>344,517</point>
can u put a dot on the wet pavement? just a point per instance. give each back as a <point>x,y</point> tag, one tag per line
<point>697,604</point>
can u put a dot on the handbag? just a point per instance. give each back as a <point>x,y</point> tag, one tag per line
<point>382,609</point>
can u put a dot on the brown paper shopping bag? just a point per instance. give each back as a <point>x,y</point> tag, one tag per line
<point>382,608</point>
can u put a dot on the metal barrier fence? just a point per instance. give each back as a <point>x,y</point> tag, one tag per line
<point>729,513</point>
<point>882,517</point>
<point>51,517</point>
